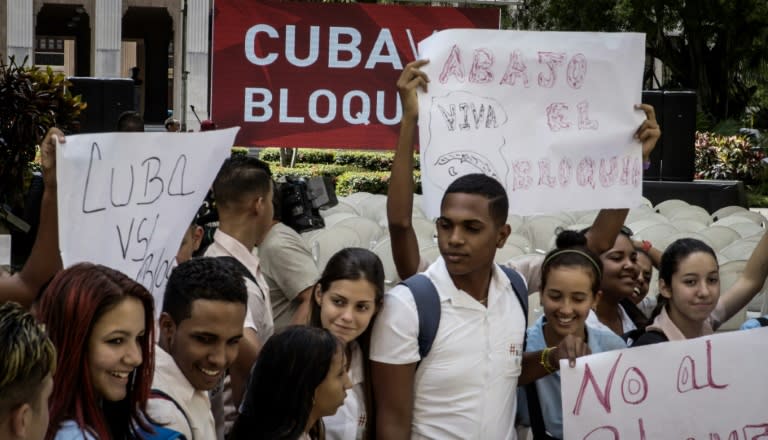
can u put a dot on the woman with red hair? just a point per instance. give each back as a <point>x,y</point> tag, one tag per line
<point>101,323</point>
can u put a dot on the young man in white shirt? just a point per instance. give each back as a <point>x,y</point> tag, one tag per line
<point>466,387</point>
<point>201,325</point>
<point>243,191</point>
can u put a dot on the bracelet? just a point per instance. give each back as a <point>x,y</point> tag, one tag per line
<point>646,164</point>
<point>544,361</point>
<point>646,246</point>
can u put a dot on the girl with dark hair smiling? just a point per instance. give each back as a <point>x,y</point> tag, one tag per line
<point>299,378</point>
<point>690,304</point>
<point>345,302</point>
<point>102,323</point>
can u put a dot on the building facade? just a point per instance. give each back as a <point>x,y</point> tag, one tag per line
<point>139,39</point>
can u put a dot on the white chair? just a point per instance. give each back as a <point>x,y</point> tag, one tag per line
<point>691,212</point>
<point>507,252</point>
<point>731,220</point>
<point>666,241</point>
<point>739,250</point>
<point>647,202</point>
<point>747,229</point>
<point>426,233</point>
<point>341,207</point>
<point>639,213</point>
<point>368,230</point>
<point>540,230</point>
<point>515,222</point>
<point>667,207</point>
<point>729,273</point>
<point>336,217</point>
<point>374,207</point>
<point>331,240</point>
<point>657,234</point>
<point>639,225</point>
<point>383,249</point>
<point>688,225</point>
<point>519,241</point>
<point>726,211</point>
<point>355,198</point>
<point>755,217</point>
<point>720,236</point>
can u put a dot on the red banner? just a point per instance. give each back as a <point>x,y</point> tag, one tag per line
<point>319,75</point>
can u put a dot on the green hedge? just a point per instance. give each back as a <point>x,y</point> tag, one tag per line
<point>367,160</point>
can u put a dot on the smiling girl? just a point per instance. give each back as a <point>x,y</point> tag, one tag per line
<point>690,304</point>
<point>101,322</point>
<point>346,299</point>
<point>570,283</point>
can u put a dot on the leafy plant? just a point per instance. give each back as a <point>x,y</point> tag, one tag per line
<point>727,158</point>
<point>33,100</point>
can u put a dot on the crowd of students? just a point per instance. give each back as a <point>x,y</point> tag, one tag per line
<point>447,354</point>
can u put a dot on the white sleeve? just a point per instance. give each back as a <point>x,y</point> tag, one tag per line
<point>394,339</point>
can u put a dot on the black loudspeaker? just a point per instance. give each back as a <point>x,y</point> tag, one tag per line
<point>674,156</point>
<point>107,99</point>
<point>679,154</point>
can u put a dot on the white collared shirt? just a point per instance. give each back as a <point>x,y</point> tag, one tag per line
<point>259,316</point>
<point>627,325</point>
<point>168,378</point>
<point>349,421</point>
<point>466,387</point>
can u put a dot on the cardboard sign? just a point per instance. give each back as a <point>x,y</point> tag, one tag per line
<point>126,199</point>
<point>549,114</point>
<point>318,74</point>
<point>710,388</point>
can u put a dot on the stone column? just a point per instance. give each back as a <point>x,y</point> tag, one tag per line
<point>197,61</point>
<point>106,35</point>
<point>20,19</point>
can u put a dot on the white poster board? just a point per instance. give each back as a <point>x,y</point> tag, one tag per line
<point>126,199</point>
<point>548,114</point>
<point>710,388</point>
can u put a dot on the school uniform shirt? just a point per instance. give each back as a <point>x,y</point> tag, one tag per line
<point>627,324</point>
<point>529,266</point>
<point>258,317</point>
<point>196,422</point>
<point>548,387</point>
<point>349,421</point>
<point>465,387</point>
<point>664,324</point>
<point>69,430</point>
<point>288,269</point>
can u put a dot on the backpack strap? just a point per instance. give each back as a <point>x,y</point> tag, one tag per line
<point>762,320</point>
<point>521,290</point>
<point>428,309</point>
<point>155,393</point>
<point>538,428</point>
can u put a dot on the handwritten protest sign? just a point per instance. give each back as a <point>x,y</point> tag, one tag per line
<point>548,114</point>
<point>711,388</point>
<point>126,199</point>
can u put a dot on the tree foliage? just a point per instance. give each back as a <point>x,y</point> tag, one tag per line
<point>33,100</point>
<point>717,47</point>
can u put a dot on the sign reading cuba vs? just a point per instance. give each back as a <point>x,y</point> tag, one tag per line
<point>313,74</point>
